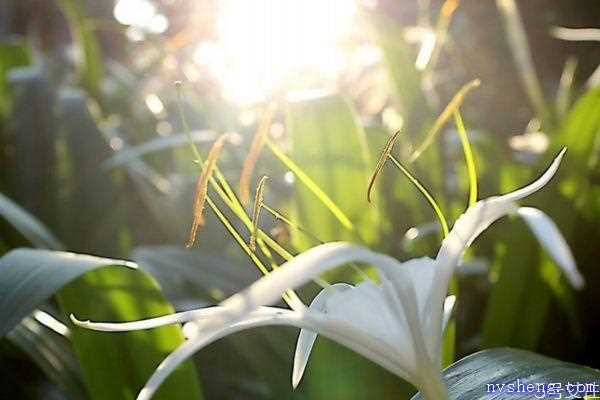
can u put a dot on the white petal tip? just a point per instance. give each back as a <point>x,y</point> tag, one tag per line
<point>577,281</point>
<point>83,324</point>
<point>295,381</point>
<point>145,394</point>
<point>300,362</point>
<point>553,242</point>
<point>449,303</point>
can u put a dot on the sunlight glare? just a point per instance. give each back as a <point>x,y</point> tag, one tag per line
<point>269,46</point>
<point>140,14</point>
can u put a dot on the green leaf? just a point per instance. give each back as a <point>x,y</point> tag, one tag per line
<point>329,145</point>
<point>185,274</point>
<point>86,189</point>
<point>579,132</point>
<point>90,67</point>
<point>27,225</point>
<point>29,170</point>
<point>468,378</point>
<point>98,289</point>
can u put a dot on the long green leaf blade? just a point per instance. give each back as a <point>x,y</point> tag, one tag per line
<point>468,379</point>
<point>99,289</point>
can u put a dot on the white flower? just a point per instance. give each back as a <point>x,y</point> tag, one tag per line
<point>397,323</point>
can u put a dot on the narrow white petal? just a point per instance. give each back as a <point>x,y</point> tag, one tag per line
<point>448,308</point>
<point>469,226</point>
<point>553,241</point>
<point>402,299</point>
<point>299,271</point>
<point>306,338</point>
<point>170,319</point>
<point>539,183</point>
<point>189,347</point>
<point>420,273</point>
<point>481,215</point>
<point>194,316</point>
<point>346,335</point>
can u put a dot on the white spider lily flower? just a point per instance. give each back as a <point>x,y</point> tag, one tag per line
<point>397,323</point>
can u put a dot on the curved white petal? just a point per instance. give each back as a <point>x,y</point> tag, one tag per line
<point>306,338</point>
<point>299,271</point>
<point>346,335</point>
<point>553,241</point>
<point>538,183</point>
<point>419,274</point>
<point>177,318</point>
<point>467,228</point>
<point>481,215</point>
<point>189,347</point>
<point>402,297</point>
<point>448,309</point>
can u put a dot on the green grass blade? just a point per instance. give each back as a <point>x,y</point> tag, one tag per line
<point>466,146</point>
<point>445,115</point>
<point>312,186</point>
<point>436,208</point>
<point>519,46</point>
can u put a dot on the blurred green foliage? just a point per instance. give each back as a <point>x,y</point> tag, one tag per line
<point>82,169</point>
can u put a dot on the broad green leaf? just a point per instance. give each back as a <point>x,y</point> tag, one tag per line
<point>87,189</point>
<point>29,169</point>
<point>30,277</point>
<point>580,128</point>
<point>329,145</point>
<point>27,225</point>
<point>468,379</point>
<point>186,274</point>
<point>98,289</point>
<point>580,133</point>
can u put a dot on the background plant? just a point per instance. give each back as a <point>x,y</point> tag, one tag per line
<point>95,147</point>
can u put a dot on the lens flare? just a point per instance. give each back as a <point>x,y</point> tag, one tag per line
<point>270,46</point>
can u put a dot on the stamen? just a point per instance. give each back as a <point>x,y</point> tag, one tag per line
<point>452,106</point>
<point>258,202</point>
<point>387,150</point>
<point>254,153</point>
<point>436,208</point>
<point>202,187</point>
